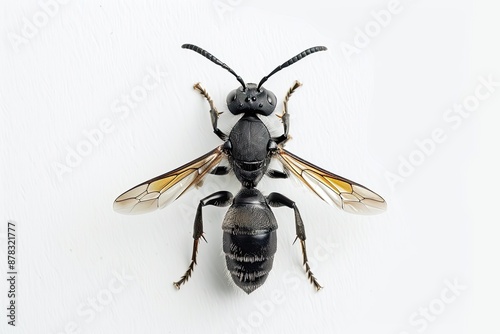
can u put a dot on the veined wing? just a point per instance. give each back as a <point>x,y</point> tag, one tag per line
<point>166,188</point>
<point>333,189</point>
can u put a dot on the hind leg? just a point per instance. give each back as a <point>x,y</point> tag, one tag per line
<point>277,200</point>
<point>220,199</point>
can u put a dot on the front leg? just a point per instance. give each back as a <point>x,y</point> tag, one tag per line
<point>214,114</point>
<point>285,117</point>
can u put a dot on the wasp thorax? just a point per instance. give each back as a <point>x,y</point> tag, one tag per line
<point>250,99</point>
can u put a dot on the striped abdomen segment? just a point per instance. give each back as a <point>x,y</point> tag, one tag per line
<point>249,257</point>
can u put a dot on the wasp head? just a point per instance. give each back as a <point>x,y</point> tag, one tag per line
<point>251,99</point>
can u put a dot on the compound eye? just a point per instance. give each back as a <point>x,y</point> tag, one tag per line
<point>269,99</point>
<point>233,102</point>
<point>231,97</point>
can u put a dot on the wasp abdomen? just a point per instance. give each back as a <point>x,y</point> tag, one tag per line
<point>249,240</point>
<point>249,257</point>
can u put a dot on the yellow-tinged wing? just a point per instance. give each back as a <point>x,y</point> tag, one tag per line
<point>166,188</point>
<point>333,189</point>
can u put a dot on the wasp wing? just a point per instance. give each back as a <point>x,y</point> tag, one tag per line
<point>166,188</point>
<point>333,189</point>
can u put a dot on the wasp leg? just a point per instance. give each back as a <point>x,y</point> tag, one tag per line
<point>214,114</point>
<point>285,116</point>
<point>220,199</point>
<point>277,200</point>
<point>221,170</point>
<point>276,174</point>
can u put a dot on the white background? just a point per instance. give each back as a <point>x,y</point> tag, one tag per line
<point>82,268</point>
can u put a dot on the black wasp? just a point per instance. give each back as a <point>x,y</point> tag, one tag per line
<point>249,226</point>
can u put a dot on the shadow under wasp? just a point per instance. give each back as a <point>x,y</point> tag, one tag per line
<point>249,226</point>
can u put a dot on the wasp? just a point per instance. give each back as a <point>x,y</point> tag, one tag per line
<point>249,225</point>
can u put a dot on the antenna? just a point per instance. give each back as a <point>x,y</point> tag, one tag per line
<point>291,61</point>
<point>212,58</point>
